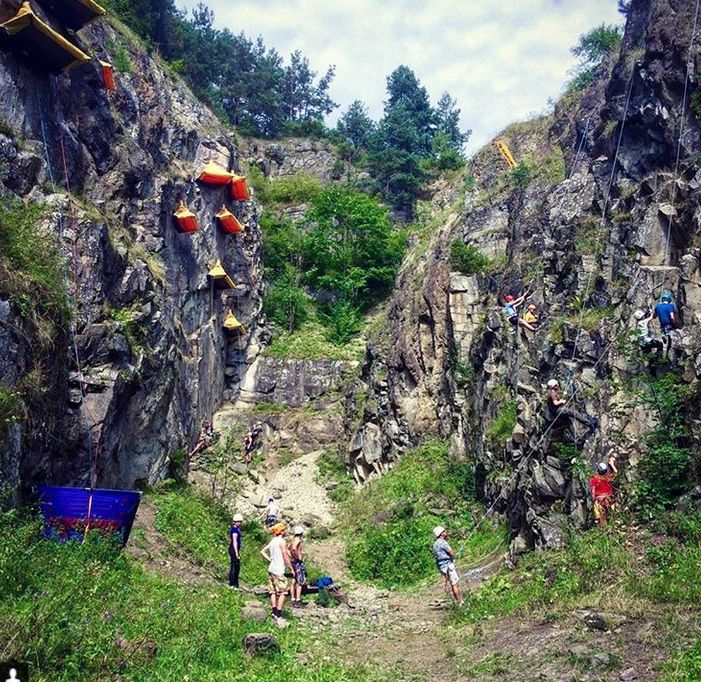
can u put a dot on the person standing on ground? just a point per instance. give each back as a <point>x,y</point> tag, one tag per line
<point>298,571</point>
<point>445,562</point>
<point>277,556</point>
<point>602,489</point>
<point>235,551</point>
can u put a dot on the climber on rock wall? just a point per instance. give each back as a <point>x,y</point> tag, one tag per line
<point>647,342</point>
<point>530,317</point>
<point>252,441</point>
<point>667,315</point>
<point>602,489</point>
<point>511,306</point>
<point>556,405</point>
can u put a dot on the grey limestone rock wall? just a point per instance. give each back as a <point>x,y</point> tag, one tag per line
<point>153,360</point>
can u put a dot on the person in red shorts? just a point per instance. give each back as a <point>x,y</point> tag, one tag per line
<point>602,489</point>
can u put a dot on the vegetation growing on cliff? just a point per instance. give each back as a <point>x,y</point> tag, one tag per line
<point>334,264</point>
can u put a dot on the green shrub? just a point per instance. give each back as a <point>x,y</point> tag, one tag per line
<point>311,342</point>
<point>684,668</point>
<point>293,189</point>
<point>286,305</point>
<point>344,321</point>
<point>467,258</point>
<point>522,175</point>
<point>503,424</point>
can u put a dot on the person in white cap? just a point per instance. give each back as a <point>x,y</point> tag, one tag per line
<point>300,575</point>
<point>235,551</point>
<point>445,562</point>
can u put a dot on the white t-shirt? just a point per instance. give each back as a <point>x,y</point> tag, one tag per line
<point>643,330</point>
<point>272,509</point>
<point>277,560</point>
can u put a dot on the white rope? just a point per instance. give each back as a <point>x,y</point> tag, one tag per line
<point>681,132</point>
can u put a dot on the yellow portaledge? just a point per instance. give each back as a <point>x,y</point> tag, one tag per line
<point>221,279</point>
<point>25,18</point>
<point>506,153</point>
<point>231,324</point>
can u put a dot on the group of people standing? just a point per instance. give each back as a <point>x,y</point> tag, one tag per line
<point>279,555</point>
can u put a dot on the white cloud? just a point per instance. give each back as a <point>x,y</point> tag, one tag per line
<point>500,60</point>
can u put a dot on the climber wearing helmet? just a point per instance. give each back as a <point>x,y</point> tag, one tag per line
<point>602,489</point>
<point>530,317</point>
<point>646,341</point>
<point>667,315</point>
<point>511,306</point>
<point>445,562</point>
<point>556,405</point>
<point>235,551</point>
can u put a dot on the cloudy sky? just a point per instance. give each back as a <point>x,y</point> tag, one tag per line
<point>501,60</point>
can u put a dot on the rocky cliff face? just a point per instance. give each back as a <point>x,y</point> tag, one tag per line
<point>604,220</point>
<point>145,360</point>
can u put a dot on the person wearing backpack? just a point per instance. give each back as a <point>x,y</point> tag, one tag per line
<point>667,315</point>
<point>298,570</point>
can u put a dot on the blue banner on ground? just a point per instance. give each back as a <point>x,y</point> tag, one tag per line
<point>71,512</point>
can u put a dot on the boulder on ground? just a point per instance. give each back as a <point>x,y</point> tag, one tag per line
<point>260,643</point>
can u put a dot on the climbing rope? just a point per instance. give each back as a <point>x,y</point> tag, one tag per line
<point>579,149</point>
<point>535,448</point>
<point>605,208</point>
<point>681,132</point>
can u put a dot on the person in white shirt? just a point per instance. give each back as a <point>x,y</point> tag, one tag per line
<point>278,558</point>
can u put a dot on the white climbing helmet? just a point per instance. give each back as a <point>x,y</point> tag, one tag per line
<point>298,530</point>
<point>438,531</point>
<point>553,383</point>
<point>238,517</point>
<point>639,314</point>
<point>602,468</point>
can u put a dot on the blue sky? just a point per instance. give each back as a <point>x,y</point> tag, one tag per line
<point>502,61</point>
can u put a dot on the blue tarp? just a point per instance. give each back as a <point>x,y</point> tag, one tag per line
<point>70,512</point>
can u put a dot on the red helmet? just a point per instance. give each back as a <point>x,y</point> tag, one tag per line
<point>508,298</point>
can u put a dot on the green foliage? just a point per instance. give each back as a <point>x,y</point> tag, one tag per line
<point>389,522</point>
<point>332,469</point>
<point>6,128</point>
<point>695,103</point>
<point>344,321</point>
<point>293,189</point>
<point>311,342</point>
<point>32,269</point>
<point>503,424</point>
<point>467,258</point>
<point>685,667</point>
<point>12,409</point>
<point>89,612</point>
<point>522,175</point>
<point>666,469</point>
<point>246,82</point>
<point>355,126</point>
<point>286,304</point>
<point>129,324</point>
<point>122,60</point>
<point>594,48</point>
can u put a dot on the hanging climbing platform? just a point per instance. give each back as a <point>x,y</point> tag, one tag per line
<point>108,76</point>
<point>75,13</point>
<point>219,277</point>
<point>506,153</point>
<point>238,189</point>
<point>228,222</point>
<point>214,174</point>
<point>36,42</point>
<point>231,324</point>
<point>185,219</point>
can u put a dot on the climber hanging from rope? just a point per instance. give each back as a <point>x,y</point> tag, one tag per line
<point>602,489</point>
<point>511,306</point>
<point>667,315</point>
<point>647,342</point>
<point>557,409</point>
<point>208,437</point>
<point>530,317</point>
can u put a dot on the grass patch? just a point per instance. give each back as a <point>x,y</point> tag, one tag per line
<point>88,612</point>
<point>389,522</point>
<point>310,342</point>
<point>332,469</point>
